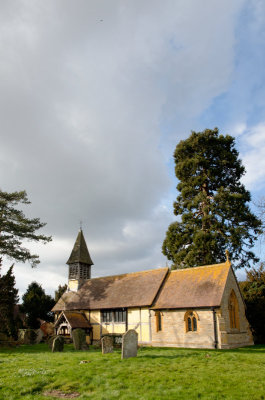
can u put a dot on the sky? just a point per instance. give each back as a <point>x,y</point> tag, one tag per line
<point>96,94</point>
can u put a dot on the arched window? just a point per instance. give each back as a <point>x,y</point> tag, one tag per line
<point>191,321</point>
<point>233,311</point>
<point>158,316</point>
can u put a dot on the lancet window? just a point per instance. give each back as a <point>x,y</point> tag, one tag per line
<point>233,311</point>
<point>191,321</point>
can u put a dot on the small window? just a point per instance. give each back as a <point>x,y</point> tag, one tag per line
<point>106,316</point>
<point>194,320</point>
<point>158,316</point>
<point>191,321</point>
<point>119,316</point>
<point>189,324</point>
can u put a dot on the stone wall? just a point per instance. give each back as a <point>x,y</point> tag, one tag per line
<point>230,338</point>
<point>173,333</point>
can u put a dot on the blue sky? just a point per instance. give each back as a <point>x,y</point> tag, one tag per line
<point>95,95</point>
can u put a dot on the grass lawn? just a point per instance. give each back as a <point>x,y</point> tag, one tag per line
<point>157,373</point>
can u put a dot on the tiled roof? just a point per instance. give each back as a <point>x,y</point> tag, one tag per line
<point>80,252</point>
<point>76,319</point>
<point>193,287</point>
<point>136,289</point>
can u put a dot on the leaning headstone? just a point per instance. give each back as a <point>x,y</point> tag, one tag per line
<point>39,336</point>
<point>107,344</point>
<point>50,340</point>
<point>27,336</point>
<point>58,344</point>
<point>129,344</point>
<point>79,339</point>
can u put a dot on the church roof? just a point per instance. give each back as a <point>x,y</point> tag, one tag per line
<point>194,287</point>
<point>135,289</point>
<point>159,288</point>
<point>76,319</point>
<point>80,252</point>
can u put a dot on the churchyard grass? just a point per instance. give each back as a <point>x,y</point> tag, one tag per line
<point>157,373</point>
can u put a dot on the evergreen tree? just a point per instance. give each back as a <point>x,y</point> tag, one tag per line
<point>36,304</point>
<point>212,205</point>
<point>15,228</point>
<point>253,290</point>
<point>59,292</point>
<point>8,300</point>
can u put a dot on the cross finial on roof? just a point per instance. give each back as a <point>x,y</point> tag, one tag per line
<point>81,223</point>
<point>227,256</point>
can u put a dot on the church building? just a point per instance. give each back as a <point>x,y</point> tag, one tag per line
<point>199,307</point>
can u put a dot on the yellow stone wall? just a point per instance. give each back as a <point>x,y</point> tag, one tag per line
<point>230,338</point>
<point>173,333</point>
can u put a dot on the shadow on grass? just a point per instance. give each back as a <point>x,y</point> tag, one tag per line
<point>41,348</point>
<point>144,352</point>
<point>186,352</point>
<point>257,349</point>
<point>170,357</point>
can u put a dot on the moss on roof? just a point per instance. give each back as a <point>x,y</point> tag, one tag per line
<point>194,287</point>
<point>118,291</point>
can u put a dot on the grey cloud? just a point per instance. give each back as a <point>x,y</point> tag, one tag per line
<point>84,109</point>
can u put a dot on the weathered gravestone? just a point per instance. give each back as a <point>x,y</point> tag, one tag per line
<point>50,341</point>
<point>58,344</point>
<point>107,344</point>
<point>39,336</point>
<point>79,339</point>
<point>129,344</point>
<point>27,336</point>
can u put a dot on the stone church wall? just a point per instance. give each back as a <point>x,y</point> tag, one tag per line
<point>173,333</point>
<point>230,338</point>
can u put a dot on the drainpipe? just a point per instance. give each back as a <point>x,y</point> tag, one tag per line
<point>215,329</point>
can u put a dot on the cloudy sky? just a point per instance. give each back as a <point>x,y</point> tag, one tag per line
<point>95,95</point>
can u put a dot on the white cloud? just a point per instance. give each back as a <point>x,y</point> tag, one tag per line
<point>238,129</point>
<point>84,108</point>
<point>252,152</point>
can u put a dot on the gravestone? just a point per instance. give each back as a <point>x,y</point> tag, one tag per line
<point>129,344</point>
<point>107,344</point>
<point>27,336</point>
<point>39,336</point>
<point>58,344</point>
<point>50,341</point>
<point>79,339</point>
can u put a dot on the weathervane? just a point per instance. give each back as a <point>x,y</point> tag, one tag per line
<point>81,222</point>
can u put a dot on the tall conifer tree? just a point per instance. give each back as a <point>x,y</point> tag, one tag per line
<point>37,305</point>
<point>212,206</point>
<point>8,300</point>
